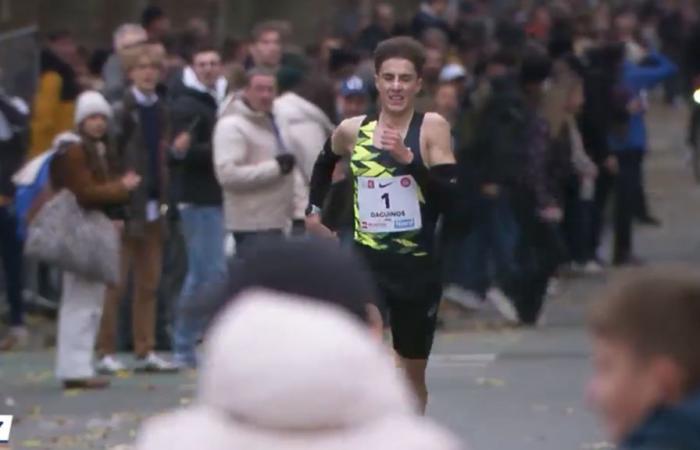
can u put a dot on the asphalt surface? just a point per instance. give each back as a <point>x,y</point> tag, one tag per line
<point>499,388</point>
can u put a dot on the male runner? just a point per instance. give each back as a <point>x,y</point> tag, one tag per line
<point>404,172</point>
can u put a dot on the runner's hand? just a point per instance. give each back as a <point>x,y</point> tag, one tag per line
<point>392,141</point>
<point>315,228</point>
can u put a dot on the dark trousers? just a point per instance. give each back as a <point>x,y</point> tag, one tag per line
<point>628,189</point>
<point>246,240</point>
<point>603,189</point>
<point>577,225</point>
<point>539,252</point>
<point>11,249</point>
<point>641,203</point>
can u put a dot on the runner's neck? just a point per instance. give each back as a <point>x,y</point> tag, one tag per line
<point>400,121</point>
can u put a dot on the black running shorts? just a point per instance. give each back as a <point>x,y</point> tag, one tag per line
<point>410,290</point>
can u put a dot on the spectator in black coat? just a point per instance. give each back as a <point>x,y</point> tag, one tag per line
<point>198,195</point>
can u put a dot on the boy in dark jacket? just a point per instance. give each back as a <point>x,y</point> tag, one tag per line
<point>646,379</point>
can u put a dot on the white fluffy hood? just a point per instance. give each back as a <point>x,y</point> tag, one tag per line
<point>283,373</point>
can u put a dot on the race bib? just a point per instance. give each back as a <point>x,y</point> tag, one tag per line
<point>388,205</point>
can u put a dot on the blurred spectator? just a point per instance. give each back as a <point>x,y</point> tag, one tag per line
<point>534,201</point>
<point>540,24</point>
<point>673,32</point>
<point>490,137</point>
<point>430,15</point>
<point>302,267</point>
<point>640,330</point>
<point>629,143</point>
<point>352,99</point>
<point>155,22</point>
<point>198,195</point>
<point>254,163</point>
<point>54,101</point>
<point>447,101</point>
<point>199,28</point>
<point>457,76</point>
<point>383,26</point>
<point>142,136</point>
<point>14,133</point>
<point>125,37</point>
<point>266,46</point>
<point>86,166</point>
<point>434,62</point>
<point>242,388</point>
<point>308,126</point>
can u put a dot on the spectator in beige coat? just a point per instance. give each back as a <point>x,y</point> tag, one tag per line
<point>254,163</point>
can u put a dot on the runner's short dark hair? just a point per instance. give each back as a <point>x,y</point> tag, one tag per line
<point>656,312</point>
<point>400,47</point>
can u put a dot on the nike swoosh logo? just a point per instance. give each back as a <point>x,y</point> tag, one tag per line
<point>385,185</point>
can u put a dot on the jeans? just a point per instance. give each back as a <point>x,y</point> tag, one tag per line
<point>486,254</point>
<point>203,230</point>
<point>11,249</point>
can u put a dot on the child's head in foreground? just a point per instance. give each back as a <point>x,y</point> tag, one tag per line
<point>646,346</point>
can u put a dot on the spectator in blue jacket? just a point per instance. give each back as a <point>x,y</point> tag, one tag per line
<point>628,142</point>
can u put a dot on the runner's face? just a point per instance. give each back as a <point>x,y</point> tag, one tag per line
<point>398,84</point>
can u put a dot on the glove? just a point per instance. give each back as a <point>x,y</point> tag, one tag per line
<point>287,161</point>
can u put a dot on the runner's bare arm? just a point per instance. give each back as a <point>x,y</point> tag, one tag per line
<point>439,170</point>
<point>345,136</point>
<point>439,140</point>
<point>340,144</point>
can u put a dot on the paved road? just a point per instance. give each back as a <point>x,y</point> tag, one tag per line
<point>498,388</point>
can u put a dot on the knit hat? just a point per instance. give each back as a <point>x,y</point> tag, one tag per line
<point>89,103</point>
<point>302,267</point>
<point>289,373</point>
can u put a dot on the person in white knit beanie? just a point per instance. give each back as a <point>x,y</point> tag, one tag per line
<point>89,103</point>
<point>286,373</point>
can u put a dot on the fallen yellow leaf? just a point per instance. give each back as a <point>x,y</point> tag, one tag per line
<point>490,382</point>
<point>72,392</point>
